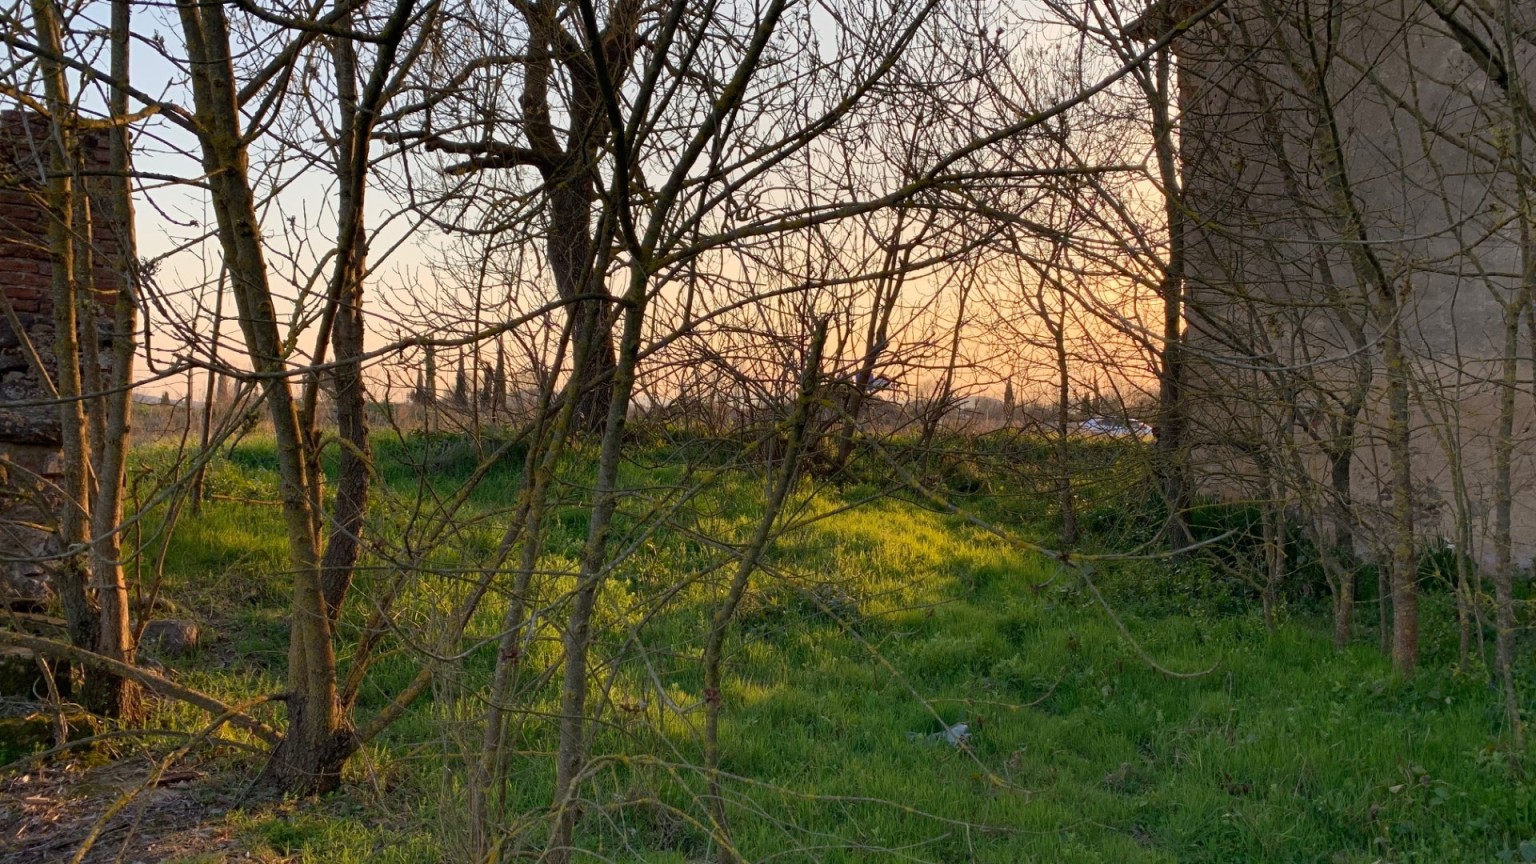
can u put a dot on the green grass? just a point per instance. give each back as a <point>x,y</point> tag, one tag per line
<point>868,625</point>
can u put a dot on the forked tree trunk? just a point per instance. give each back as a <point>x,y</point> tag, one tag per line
<point>570,258</point>
<point>1338,443</point>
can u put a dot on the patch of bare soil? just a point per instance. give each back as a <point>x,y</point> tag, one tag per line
<point>132,809</point>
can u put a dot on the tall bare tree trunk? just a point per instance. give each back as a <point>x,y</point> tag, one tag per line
<point>1386,310</point>
<point>570,760</point>
<point>105,693</point>
<point>1405,575</point>
<point>1067,495</point>
<point>1504,451</point>
<point>720,620</point>
<point>1504,441</point>
<point>358,114</point>
<point>1342,555</point>
<point>80,607</point>
<point>211,394</point>
<point>1503,571</point>
<point>876,337</point>
<point>319,738</point>
<point>1171,431</point>
<point>485,784</point>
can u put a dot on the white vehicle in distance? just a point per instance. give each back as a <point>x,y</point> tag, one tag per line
<point>1103,427</point>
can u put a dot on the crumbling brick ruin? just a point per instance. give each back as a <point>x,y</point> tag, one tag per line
<point>30,458</point>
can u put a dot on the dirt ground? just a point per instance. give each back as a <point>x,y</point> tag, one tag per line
<point>134,808</point>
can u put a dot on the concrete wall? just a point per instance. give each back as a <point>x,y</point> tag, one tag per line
<point>1279,321</point>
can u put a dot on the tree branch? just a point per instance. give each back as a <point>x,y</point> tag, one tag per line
<point>157,684</point>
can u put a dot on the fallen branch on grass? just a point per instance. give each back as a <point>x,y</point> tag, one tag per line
<point>157,684</point>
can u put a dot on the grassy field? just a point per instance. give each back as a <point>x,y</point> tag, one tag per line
<point>871,631</point>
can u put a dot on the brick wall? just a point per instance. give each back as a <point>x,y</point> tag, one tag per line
<point>29,424</point>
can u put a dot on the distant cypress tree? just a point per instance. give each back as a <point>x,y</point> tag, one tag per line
<point>488,387</point>
<point>426,379</point>
<point>461,386</point>
<point>500,378</point>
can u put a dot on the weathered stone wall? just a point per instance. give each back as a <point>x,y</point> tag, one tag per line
<point>30,461</point>
<point>1279,318</point>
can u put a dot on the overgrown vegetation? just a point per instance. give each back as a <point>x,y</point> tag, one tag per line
<point>870,630</point>
<point>844,430</point>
